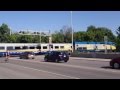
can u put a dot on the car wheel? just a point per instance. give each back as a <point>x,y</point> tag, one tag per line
<point>116,65</point>
<point>65,60</point>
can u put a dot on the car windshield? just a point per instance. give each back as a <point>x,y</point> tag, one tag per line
<point>62,53</point>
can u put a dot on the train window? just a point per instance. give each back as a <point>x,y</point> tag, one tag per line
<point>84,48</point>
<point>80,48</point>
<point>44,47</point>
<point>17,48</point>
<point>2,48</point>
<point>61,46</point>
<point>24,47</point>
<point>56,47</point>
<point>32,47</point>
<point>38,47</point>
<point>10,48</point>
<point>71,46</point>
<point>51,46</point>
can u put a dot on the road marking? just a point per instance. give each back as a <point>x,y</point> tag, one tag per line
<point>74,66</point>
<point>46,71</point>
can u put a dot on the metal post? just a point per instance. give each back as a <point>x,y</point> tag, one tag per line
<point>50,38</point>
<point>40,37</point>
<point>72,31</point>
<point>105,40</point>
<point>10,31</point>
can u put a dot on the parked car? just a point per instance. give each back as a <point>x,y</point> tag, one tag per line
<point>115,63</point>
<point>56,56</point>
<point>27,55</point>
<point>2,54</point>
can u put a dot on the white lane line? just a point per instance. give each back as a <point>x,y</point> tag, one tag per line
<point>74,66</point>
<point>46,71</point>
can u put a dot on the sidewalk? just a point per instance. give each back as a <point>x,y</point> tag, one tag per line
<point>91,59</point>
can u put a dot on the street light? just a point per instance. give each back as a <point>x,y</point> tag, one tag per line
<point>72,31</point>
<point>105,41</point>
<point>10,31</point>
<point>40,37</point>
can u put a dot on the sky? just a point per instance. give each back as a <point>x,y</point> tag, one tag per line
<point>55,20</point>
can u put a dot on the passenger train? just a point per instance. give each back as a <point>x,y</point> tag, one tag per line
<point>18,48</point>
<point>94,46</point>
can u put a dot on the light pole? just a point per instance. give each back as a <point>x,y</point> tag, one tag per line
<point>50,40</point>
<point>105,40</point>
<point>40,37</point>
<point>72,31</point>
<point>10,31</point>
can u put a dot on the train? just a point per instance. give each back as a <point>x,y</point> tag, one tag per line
<point>94,46</point>
<point>18,48</point>
<point>42,48</point>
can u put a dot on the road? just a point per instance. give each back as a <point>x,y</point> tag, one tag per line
<point>73,69</point>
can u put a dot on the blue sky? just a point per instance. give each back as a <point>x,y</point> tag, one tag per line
<point>55,20</point>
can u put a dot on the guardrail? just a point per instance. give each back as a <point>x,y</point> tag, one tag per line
<point>96,55</point>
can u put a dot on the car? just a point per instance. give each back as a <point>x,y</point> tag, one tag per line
<point>115,63</point>
<point>27,55</point>
<point>2,54</point>
<point>56,56</point>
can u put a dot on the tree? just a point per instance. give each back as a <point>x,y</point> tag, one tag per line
<point>4,33</point>
<point>4,29</point>
<point>25,39</point>
<point>118,32</point>
<point>97,34</point>
<point>91,28</point>
<point>81,36</point>
<point>67,32</point>
<point>57,37</point>
<point>117,43</point>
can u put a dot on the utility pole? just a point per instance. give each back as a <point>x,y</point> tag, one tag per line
<point>72,32</point>
<point>10,31</point>
<point>50,40</point>
<point>40,37</point>
<point>105,40</point>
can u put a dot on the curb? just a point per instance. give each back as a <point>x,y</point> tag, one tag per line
<point>91,59</point>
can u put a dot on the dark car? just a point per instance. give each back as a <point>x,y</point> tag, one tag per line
<point>27,55</point>
<point>115,63</point>
<point>56,56</point>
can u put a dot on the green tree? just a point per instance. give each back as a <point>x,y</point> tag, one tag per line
<point>57,37</point>
<point>4,33</point>
<point>67,32</point>
<point>25,39</point>
<point>97,34</point>
<point>81,36</point>
<point>117,43</point>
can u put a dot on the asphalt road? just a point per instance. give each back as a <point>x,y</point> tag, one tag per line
<point>38,69</point>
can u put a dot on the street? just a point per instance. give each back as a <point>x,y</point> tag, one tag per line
<point>74,69</point>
